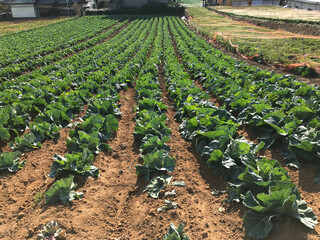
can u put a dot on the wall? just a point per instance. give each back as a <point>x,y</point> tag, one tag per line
<point>23,11</point>
<point>305,5</point>
<point>265,2</point>
<point>233,2</point>
<point>133,3</point>
<point>240,3</point>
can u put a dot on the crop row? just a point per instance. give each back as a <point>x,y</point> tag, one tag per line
<point>16,69</point>
<point>48,99</point>
<point>37,42</point>
<point>42,90</point>
<point>60,112</point>
<point>100,121</point>
<point>150,129</point>
<point>261,184</point>
<point>279,108</point>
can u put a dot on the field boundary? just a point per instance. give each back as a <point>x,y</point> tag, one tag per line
<point>264,18</point>
<point>224,42</point>
<point>299,26</point>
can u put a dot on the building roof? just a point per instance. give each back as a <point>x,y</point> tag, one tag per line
<point>42,2</point>
<point>308,1</point>
<point>19,1</point>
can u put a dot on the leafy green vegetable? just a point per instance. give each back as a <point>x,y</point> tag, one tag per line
<point>152,144</point>
<point>151,105</point>
<point>151,123</point>
<point>26,143</point>
<point>44,131</point>
<point>4,133</point>
<point>305,143</point>
<point>63,190</point>
<point>11,161</point>
<point>51,230</point>
<point>103,107</point>
<point>81,163</point>
<point>168,204</point>
<point>257,225</point>
<point>283,202</point>
<point>157,184</point>
<point>104,126</point>
<point>153,162</point>
<point>82,140</point>
<point>176,233</point>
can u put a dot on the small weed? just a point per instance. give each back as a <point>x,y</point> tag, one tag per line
<point>38,197</point>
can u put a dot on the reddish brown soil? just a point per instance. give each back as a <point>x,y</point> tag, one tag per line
<point>286,228</point>
<point>114,205</point>
<point>303,178</point>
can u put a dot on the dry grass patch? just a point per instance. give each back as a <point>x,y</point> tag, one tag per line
<point>275,12</point>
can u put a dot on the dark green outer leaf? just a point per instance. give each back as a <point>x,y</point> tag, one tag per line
<point>257,225</point>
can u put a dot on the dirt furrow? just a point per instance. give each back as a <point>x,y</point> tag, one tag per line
<point>21,192</point>
<point>206,216</point>
<point>302,177</point>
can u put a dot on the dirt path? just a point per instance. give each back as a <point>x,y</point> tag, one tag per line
<point>199,208</point>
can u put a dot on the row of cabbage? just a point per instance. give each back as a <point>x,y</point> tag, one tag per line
<point>100,121</point>
<point>32,94</point>
<point>284,112</point>
<point>64,97</point>
<point>261,184</point>
<point>34,43</point>
<point>150,129</point>
<point>18,68</point>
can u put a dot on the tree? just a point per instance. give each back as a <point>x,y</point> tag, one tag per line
<point>4,8</point>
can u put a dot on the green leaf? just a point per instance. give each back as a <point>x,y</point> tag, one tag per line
<point>11,161</point>
<point>44,131</point>
<point>4,133</point>
<point>305,143</point>
<point>216,155</point>
<point>157,184</point>
<point>176,233</point>
<point>63,190</point>
<point>306,215</point>
<point>26,143</point>
<point>151,123</point>
<point>154,144</point>
<point>158,161</point>
<point>257,225</point>
<point>84,140</point>
<point>302,112</point>
<point>81,163</point>
<point>151,105</point>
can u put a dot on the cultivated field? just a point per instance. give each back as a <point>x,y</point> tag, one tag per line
<point>275,12</point>
<point>276,47</point>
<point>13,26</point>
<point>119,129</point>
